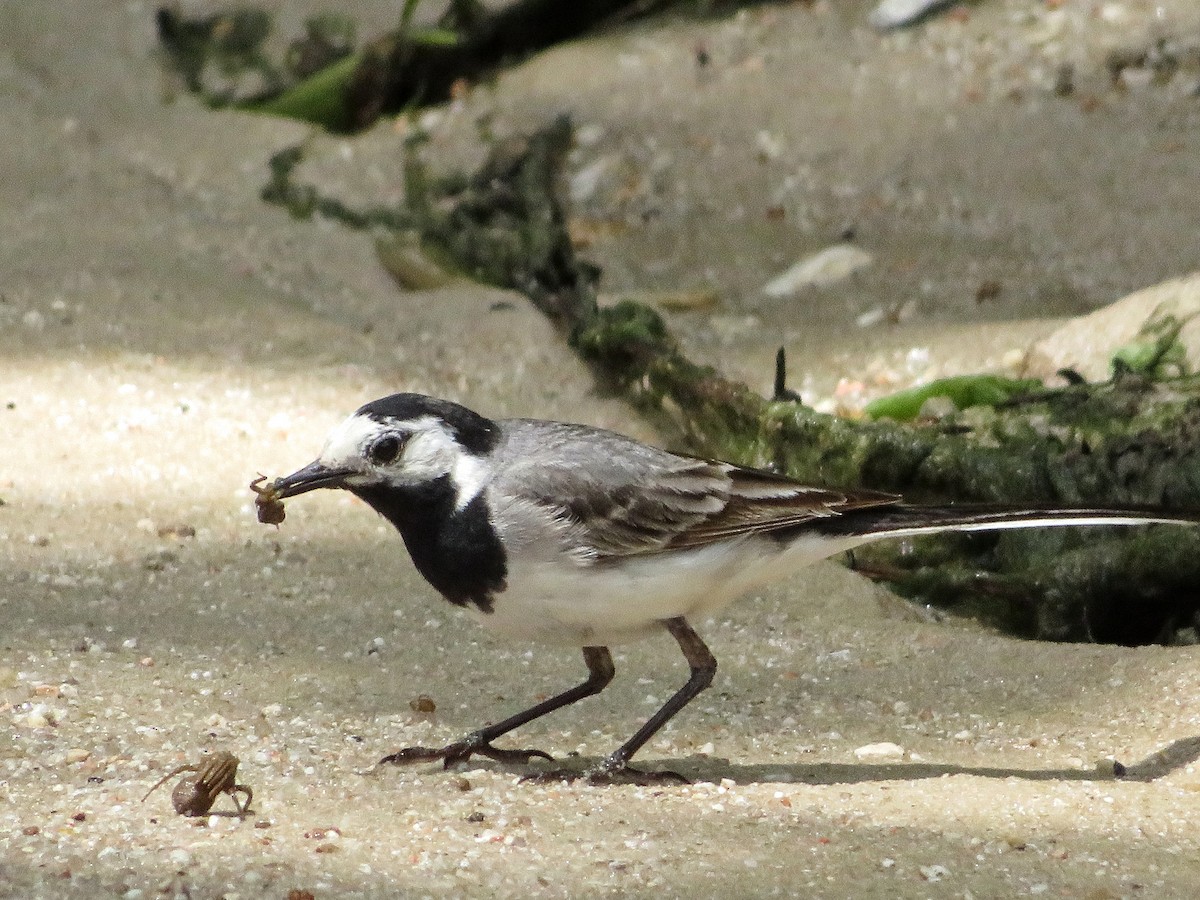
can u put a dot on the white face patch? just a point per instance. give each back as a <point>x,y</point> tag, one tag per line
<point>347,444</point>
<point>430,452</point>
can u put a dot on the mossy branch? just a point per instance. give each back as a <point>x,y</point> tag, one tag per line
<point>323,79</point>
<point>1132,440</point>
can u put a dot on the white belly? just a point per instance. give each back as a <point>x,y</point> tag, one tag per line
<point>599,605</point>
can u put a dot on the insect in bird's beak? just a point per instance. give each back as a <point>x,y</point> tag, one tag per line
<point>268,499</point>
<point>313,476</point>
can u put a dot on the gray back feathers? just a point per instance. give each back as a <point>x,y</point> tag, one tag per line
<point>614,497</point>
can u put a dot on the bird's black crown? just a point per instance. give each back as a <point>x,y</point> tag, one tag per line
<point>472,431</point>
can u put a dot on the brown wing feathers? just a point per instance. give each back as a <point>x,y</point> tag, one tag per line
<point>704,503</point>
<point>761,502</point>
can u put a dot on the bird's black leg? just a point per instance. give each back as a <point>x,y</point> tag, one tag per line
<point>616,768</point>
<point>600,673</point>
<point>703,665</point>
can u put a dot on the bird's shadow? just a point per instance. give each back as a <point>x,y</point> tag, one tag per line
<point>1157,765</point>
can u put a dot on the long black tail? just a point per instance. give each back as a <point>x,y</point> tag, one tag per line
<point>904,520</point>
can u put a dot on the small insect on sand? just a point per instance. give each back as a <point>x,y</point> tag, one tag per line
<point>267,504</point>
<point>215,775</point>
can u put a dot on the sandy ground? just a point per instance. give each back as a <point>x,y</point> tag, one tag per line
<point>166,336</point>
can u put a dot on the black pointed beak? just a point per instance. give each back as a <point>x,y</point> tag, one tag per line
<point>313,476</point>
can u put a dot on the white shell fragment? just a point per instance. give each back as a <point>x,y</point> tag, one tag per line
<point>825,267</point>
<point>882,750</point>
<point>899,13</point>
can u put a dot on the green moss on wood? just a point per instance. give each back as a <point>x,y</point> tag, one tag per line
<point>1132,440</point>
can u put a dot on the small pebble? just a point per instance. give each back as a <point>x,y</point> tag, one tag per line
<point>39,716</point>
<point>423,704</point>
<point>180,530</point>
<point>1136,79</point>
<point>899,13</point>
<point>825,267</point>
<point>872,316</point>
<point>584,184</point>
<point>934,873</point>
<point>881,750</point>
<point>769,145</point>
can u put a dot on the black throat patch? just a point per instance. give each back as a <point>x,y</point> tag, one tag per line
<point>457,551</point>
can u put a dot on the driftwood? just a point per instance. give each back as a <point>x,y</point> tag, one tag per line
<point>1132,440</point>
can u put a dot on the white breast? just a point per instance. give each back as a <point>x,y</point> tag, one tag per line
<point>556,600</point>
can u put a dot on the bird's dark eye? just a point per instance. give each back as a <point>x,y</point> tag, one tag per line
<point>384,450</point>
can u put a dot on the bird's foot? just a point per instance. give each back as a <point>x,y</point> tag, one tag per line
<point>461,751</point>
<point>611,771</point>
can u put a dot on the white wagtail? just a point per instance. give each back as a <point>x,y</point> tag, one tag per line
<point>574,535</point>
